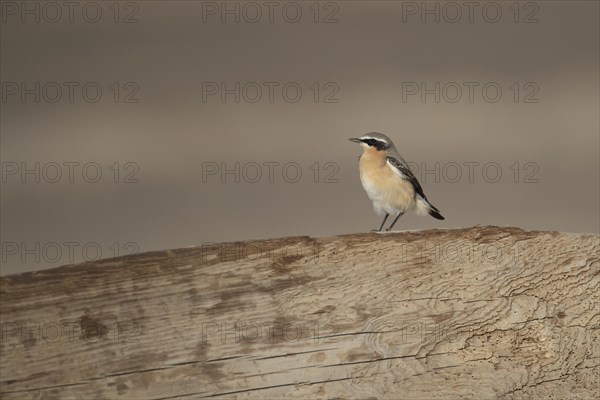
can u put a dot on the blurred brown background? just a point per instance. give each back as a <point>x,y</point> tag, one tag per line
<point>541,133</point>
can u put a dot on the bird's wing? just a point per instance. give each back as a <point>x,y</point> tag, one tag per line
<point>401,169</point>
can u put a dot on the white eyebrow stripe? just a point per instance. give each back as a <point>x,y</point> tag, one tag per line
<point>378,139</point>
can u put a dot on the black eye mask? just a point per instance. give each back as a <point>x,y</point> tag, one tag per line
<point>378,144</point>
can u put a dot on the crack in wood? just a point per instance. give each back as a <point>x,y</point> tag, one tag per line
<point>295,354</point>
<point>365,361</point>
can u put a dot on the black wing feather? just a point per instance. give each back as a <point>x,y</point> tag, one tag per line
<point>408,175</point>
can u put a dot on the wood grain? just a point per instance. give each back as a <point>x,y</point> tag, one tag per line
<point>477,313</point>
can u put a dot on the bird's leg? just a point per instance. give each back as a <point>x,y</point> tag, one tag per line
<point>383,223</point>
<point>394,222</point>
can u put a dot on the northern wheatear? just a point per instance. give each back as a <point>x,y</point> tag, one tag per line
<point>388,181</point>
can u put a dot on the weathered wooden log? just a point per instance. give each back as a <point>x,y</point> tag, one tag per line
<point>480,313</point>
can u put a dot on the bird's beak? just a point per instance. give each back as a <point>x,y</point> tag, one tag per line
<point>355,140</point>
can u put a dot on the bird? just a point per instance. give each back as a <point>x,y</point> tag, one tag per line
<point>388,180</point>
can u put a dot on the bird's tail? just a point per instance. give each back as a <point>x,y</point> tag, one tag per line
<point>424,207</point>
